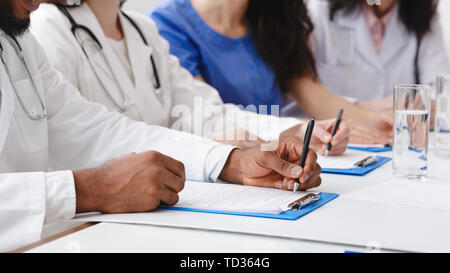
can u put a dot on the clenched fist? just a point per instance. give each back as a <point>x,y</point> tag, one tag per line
<point>132,183</point>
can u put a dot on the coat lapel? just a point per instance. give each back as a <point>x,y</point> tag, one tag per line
<point>139,54</point>
<point>7,102</point>
<point>138,62</point>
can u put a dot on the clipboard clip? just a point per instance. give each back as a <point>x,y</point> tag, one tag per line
<point>366,162</point>
<point>304,201</point>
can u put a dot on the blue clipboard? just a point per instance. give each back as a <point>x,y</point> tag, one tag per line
<point>371,149</point>
<point>360,171</point>
<point>287,215</point>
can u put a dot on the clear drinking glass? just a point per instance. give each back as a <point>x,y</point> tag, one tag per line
<point>442,118</point>
<point>411,127</point>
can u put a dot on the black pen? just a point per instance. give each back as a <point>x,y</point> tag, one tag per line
<point>335,128</point>
<point>305,150</point>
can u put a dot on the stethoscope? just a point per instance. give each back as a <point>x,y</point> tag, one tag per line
<point>127,102</point>
<point>32,113</point>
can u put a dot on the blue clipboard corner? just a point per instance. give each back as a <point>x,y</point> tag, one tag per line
<point>359,171</point>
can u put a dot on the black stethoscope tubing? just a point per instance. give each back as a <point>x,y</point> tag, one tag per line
<point>32,114</point>
<point>75,27</point>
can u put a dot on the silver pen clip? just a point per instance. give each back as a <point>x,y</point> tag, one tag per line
<point>366,162</point>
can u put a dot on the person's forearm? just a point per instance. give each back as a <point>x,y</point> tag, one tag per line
<point>318,102</point>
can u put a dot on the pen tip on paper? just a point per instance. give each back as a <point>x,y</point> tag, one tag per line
<point>295,187</point>
<point>327,152</point>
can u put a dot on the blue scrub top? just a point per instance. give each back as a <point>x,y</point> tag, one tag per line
<point>232,66</point>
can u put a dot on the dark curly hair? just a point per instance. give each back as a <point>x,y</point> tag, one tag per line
<point>280,31</point>
<point>416,15</point>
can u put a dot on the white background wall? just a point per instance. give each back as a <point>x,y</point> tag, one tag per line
<point>145,5</point>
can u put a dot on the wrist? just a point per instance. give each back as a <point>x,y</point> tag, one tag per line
<point>84,200</point>
<point>232,171</point>
<point>364,116</point>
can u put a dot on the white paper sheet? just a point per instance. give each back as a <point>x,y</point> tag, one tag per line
<point>344,161</point>
<point>230,197</point>
<point>430,195</point>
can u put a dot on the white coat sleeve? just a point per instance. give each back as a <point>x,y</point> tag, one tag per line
<point>433,59</point>
<point>209,116</point>
<point>28,201</point>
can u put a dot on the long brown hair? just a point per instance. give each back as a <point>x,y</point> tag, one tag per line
<point>280,31</point>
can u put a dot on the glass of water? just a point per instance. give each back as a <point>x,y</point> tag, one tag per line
<point>411,127</point>
<point>442,118</point>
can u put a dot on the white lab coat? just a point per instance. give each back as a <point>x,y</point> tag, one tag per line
<point>77,134</point>
<point>179,91</point>
<point>349,65</point>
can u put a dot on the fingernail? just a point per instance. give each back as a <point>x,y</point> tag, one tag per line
<point>327,138</point>
<point>279,185</point>
<point>296,171</point>
<point>290,186</point>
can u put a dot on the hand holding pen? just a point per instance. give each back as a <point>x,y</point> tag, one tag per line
<point>335,128</point>
<point>321,136</point>
<point>305,150</point>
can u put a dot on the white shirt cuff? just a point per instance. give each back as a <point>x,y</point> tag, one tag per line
<point>60,196</point>
<point>215,161</point>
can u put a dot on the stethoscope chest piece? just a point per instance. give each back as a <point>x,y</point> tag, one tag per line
<point>32,113</point>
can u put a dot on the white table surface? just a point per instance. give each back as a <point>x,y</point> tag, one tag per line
<point>126,238</point>
<point>343,224</point>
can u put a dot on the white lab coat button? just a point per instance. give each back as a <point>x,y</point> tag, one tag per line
<point>158,91</point>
